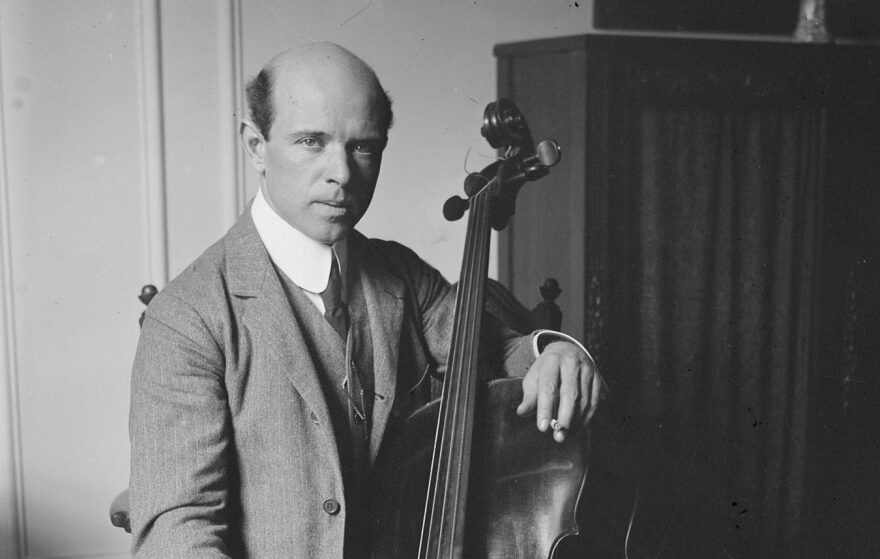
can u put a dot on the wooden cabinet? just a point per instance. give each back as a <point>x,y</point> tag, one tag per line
<point>712,225</point>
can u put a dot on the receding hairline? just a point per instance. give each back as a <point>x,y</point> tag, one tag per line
<point>312,58</point>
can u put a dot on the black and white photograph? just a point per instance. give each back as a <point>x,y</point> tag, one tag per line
<point>364,279</point>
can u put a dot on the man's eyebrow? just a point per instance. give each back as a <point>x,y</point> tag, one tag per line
<point>378,139</point>
<point>304,133</point>
<point>371,139</point>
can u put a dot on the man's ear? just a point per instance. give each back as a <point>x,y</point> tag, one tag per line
<point>254,145</point>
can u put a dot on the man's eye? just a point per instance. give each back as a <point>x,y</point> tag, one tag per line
<point>363,148</point>
<point>310,142</point>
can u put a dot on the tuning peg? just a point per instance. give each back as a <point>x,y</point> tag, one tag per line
<point>549,153</point>
<point>474,182</point>
<point>454,208</point>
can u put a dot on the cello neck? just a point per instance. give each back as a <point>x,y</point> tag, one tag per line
<point>446,504</point>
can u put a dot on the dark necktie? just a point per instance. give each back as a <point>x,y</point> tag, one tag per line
<point>334,309</point>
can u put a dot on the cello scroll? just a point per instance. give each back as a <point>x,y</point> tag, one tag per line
<point>504,127</point>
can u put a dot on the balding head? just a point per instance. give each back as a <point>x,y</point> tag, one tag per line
<point>328,118</point>
<point>321,61</point>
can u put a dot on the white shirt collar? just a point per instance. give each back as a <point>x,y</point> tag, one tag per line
<point>302,259</point>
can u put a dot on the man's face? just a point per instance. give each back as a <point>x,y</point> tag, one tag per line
<point>321,163</point>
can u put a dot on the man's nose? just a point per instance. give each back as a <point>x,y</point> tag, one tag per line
<point>338,166</point>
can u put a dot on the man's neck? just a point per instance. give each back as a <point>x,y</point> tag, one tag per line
<point>305,261</point>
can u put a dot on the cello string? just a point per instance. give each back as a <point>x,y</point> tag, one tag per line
<point>462,355</point>
<point>455,423</point>
<point>451,390</point>
<point>434,520</point>
<point>472,317</point>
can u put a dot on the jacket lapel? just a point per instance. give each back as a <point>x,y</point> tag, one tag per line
<point>383,297</point>
<point>270,317</point>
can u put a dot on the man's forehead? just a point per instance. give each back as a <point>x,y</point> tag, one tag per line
<point>313,106</point>
<point>324,91</point>
<point>325,88</point>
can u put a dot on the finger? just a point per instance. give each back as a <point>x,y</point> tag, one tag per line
<point>548,397</point>
<point>597,391</point>
<point>586,382</point>
<point>593,399</point>
<point>530,395</point>
<point>569,373</point>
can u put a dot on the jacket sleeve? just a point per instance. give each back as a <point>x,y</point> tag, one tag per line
<point>507,352</point>
<point>179,427</point>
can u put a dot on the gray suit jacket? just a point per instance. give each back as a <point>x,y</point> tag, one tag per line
<point>233,451</point>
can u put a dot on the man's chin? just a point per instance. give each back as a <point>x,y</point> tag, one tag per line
<point>334,233</point>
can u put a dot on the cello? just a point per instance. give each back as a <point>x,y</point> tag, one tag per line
<point>467,476</point>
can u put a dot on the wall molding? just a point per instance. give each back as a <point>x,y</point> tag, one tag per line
<point>148,15</point>
<point>231,83</point>
<point>240,105</point>
<point>13,535</point>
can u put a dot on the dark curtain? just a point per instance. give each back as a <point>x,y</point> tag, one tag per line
<point>712,272</point>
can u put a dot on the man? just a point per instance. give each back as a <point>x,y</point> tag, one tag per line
<point>271,371</point>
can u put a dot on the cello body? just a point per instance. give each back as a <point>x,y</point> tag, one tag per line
<point>523,492</point>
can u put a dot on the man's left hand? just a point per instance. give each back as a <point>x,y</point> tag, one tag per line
<point>564,386</point>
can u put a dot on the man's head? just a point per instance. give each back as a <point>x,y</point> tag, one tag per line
<point>319,123</point>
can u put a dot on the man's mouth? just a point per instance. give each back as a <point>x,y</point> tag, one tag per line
<point>335,208</point>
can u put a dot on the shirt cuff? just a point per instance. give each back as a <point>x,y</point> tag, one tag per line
<point>542,338</point>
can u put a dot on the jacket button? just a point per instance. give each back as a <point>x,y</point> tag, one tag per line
<point>331,506</point>
<point>313,417</point>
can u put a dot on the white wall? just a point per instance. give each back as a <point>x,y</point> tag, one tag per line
<point>111,178</point>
